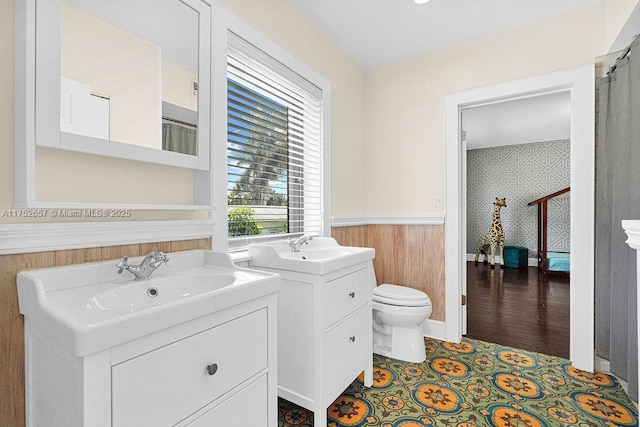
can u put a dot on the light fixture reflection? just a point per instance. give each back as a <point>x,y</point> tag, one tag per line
<point>421,1</point>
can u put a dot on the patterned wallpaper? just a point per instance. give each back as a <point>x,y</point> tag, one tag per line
<point>521,173</point>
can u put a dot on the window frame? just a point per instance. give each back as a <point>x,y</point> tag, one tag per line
<point>225,22</point>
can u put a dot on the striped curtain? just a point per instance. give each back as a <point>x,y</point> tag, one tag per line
<point>179,139</point>
<point>618,198</point>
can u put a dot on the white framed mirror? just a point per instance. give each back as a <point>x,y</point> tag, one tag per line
<point>105,70</point>
<point>117,79</point>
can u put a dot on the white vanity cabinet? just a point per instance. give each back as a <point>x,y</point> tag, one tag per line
<point>324,335</point>
<point>194,345</point>
<point>217,370</point>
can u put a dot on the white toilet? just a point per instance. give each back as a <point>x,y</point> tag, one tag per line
<point>398,313</point>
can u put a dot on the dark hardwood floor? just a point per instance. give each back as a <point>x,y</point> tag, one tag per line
<point>518,308</point>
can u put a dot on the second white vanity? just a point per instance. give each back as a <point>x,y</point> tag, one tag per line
<point>324,319</point>
<point>193,345</point>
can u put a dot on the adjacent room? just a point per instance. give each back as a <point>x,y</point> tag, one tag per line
<point>519,150</point>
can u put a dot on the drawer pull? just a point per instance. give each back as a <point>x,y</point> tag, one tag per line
<point>212,369</point>
<point>352,339</point>
<point>352,294</point>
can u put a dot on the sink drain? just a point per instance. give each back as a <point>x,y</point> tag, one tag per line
<point>152,292</point>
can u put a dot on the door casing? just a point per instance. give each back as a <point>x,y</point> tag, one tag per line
<point>580,83</point>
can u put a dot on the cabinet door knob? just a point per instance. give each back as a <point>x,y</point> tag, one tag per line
<point>352,294</point>
<point>352,339</point>
<point>212,369</point>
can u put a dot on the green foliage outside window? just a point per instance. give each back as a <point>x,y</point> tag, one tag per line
<point>242,222</point>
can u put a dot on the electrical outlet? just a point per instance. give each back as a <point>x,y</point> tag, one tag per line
<point>194,88</point>
<point>438,204</point>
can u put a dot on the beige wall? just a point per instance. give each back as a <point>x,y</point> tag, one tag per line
<point>119,65</point>
<point>300,38</point>
<point>65,176</point>
<point>6,104</point>
<point>616,14</point>
<point>405,108</point>
<point>392,162</point>
<point>176,86</point>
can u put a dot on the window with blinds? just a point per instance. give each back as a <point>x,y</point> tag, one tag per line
<point>274,148</point>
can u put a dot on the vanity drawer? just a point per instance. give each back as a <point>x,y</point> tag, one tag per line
<point>345,347</point>
<point>233,411</point>
<point>344,295</point>
<point>160,387</point>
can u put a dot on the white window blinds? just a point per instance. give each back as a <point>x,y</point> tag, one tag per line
<point>274,148</point>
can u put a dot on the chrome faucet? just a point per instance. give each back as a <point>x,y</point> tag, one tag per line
<point>143,270</point>
<point>295,246</point>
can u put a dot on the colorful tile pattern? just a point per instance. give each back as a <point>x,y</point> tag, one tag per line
<point>476,384</point>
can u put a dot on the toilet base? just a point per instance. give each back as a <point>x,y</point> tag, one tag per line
<point>404,343</point>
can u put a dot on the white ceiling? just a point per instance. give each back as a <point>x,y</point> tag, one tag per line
<point>534,119</point>
<point>379,32</point>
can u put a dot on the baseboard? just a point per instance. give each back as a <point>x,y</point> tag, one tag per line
<point>532,262</point>
<point>604,366</point>
<point>434,329</point>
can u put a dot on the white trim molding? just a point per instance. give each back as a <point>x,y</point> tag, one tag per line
<point>353,221</point>
<point>632,228</point>
<point>25,238</point>
<point>225,21</point>
<point>604,366</point>
<point>434,329</point>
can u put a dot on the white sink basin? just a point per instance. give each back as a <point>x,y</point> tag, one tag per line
<point>144,294</point>
<point>89,307</point>
<point>321,256</point>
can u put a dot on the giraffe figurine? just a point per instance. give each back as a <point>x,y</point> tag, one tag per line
<point>495,237</point>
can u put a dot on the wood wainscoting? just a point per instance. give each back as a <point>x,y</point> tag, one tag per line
<point>12,408</point>
<point>407,255</point>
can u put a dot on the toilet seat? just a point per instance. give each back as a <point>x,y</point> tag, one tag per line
<point>401,296</point>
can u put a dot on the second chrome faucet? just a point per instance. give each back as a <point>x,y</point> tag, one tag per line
<point>295,245</point>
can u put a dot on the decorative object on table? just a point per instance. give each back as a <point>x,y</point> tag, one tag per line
<point>495,237</point>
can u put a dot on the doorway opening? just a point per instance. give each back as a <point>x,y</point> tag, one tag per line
<point>579,83</point>
<point>518,150</point>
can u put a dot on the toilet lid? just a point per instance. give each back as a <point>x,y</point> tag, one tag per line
<point>400,295</point>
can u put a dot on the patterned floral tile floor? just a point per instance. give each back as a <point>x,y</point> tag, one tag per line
<point>476,384</point>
